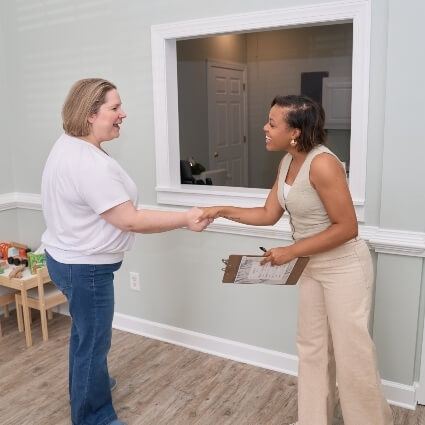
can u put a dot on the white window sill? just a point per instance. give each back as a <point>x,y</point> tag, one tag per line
<point>204,196</point>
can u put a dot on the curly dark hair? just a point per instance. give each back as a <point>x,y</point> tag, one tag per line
<point>306,115</point>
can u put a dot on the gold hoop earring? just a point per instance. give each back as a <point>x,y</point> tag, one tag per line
<point>293,142</point>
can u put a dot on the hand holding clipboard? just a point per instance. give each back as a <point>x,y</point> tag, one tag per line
<point>246,269</point>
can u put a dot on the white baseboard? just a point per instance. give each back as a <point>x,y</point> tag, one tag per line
<point>397,394</point>
<point>261,357</point>
<point>400,394</point>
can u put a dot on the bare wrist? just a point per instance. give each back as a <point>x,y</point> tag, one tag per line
<point>294,251</point>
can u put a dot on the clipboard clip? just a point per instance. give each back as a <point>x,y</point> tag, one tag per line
<point>224,261</point>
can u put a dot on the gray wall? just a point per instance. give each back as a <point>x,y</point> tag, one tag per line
<point>56,44</point>
<point>396,135</point>
<point>6,152</point>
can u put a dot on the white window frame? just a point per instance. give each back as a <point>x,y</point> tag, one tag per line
<point>165,96</point>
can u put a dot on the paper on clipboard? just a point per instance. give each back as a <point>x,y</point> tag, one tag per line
<point>246,269</point>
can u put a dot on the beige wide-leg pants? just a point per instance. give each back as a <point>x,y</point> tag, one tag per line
<point>333,340</point>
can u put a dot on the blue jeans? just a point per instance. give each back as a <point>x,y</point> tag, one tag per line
<point>90,292</point>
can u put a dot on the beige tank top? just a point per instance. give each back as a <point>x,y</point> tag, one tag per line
<point>307,215</point>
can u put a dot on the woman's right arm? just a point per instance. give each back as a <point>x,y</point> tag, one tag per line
<point>127,218</point>
<point>269,214</point>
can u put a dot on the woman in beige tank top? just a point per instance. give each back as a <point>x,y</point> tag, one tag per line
<point>333,340</point>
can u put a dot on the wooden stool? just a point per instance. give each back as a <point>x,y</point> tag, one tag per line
<point>5,300</point>
<point>43,298</point>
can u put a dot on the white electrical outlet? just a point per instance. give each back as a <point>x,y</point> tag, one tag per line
<point>135,281</point>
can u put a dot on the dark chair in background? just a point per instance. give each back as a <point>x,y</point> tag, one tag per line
<point>209,177</point>
<point>186,176</point>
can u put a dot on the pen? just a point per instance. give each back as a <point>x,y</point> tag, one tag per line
<point>263,249</point>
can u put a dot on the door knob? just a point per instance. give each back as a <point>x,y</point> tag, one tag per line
<point>215,154</point>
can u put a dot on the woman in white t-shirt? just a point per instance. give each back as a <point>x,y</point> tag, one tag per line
<point>89,205</point>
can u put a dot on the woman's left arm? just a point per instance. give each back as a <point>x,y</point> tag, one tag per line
<point>328,178</point>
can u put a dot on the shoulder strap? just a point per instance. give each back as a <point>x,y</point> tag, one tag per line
<point>286,161</point>
<point>311,155</point>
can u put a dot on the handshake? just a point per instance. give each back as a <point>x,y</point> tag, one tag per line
<point>198,219</point>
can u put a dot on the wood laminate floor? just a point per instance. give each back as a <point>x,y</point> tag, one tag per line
<point>158,384</point>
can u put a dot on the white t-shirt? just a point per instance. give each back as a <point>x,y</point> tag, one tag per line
<point>80,182</point>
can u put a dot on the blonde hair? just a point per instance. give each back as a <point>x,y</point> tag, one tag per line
<point>84,99</point>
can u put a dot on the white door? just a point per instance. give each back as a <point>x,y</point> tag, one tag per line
<point>227,121</point>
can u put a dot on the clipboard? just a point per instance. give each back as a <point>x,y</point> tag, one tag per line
<point>292,271</point>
